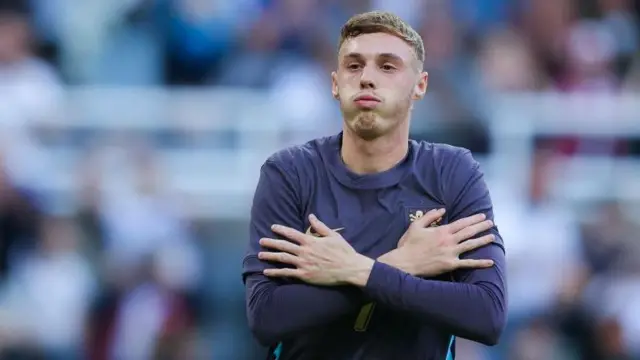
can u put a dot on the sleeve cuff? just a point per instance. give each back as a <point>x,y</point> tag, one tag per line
<point>383,279</point>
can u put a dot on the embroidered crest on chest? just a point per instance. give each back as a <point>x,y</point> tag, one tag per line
<point>417,214</point>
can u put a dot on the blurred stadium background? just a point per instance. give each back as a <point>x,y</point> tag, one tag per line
<point>132,132</point>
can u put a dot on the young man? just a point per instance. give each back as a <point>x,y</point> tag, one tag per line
<point>367,245</point>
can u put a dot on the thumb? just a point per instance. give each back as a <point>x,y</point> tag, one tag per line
<point>428,218</point>
<point>322,229</point>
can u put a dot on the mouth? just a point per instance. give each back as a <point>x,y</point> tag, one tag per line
<point>366,101</point>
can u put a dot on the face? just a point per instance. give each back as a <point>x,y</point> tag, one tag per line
<point>378,78</point>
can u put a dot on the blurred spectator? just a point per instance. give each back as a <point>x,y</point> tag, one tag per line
<point>201,35</point>
<point>547,24</point>
<point>99,42</point>
<point>590,56</point>
<point>139,216</point>
<point>134,321</point>
<point>454,105</point>
<point>151,265</point>
<point>47,296</point>
<point>30,94</point>
<point>552,250</point>
<point>611,251</point>
<point>507,64</point>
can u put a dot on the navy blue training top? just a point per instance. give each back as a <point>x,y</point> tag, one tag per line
<point>397,315</point>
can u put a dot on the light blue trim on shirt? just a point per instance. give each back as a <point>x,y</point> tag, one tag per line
<point>278,351</point>
<point>450,351</point>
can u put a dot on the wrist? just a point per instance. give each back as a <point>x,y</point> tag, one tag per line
<point>359,271</point>
<point>395,259</point>
<point>389,258</point>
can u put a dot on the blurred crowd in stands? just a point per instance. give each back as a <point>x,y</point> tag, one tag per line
<point>126,274</point>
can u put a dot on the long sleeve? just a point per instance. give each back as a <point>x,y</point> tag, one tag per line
<point>474,309</point>
<point>277,309</point>
<point>474,306</point>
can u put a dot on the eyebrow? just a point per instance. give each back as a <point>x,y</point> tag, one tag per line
<point>390,56</point>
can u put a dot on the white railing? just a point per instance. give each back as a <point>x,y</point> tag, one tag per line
<point>220,181</point>
<point>517,119</point>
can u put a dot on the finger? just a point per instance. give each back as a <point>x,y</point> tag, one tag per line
<point>281,257</point>
<point>474,264</point>
<point>280,245</point>
<point>289,233</point>
<point>475,243</point>
<point>319,226</point>
<point>458,225</point>
<point>292,273</point>
<point>473,230</point>
<point>428,218</point>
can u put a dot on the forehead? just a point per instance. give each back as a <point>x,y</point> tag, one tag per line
<point>370,45</point>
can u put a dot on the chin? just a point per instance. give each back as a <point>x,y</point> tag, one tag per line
<point>367,131</point>
<point>367,125</point>
<point>368,134</point>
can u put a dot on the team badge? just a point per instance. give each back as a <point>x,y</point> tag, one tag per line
<point>415,215</point>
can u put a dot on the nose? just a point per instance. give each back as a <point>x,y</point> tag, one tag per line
<point>367,79</point>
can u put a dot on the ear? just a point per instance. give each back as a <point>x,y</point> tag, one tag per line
<point>334,85</point>
<point>421,86</point>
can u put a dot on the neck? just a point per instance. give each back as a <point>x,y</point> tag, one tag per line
<point>374,156</point>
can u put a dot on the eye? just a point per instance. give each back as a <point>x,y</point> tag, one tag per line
<point>388,67</point>
<point>354,66</point>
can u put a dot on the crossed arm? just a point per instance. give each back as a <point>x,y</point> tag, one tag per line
<point>473,307</point>
<point>279,308</point>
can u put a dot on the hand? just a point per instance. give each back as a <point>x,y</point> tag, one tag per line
<point>325,260</point>
<point>431,251</point>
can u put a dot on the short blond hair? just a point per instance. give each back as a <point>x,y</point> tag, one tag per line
<point>382,22</point>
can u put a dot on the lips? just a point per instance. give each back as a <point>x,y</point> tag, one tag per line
<point>366,102</point>
<point>367,98</point>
